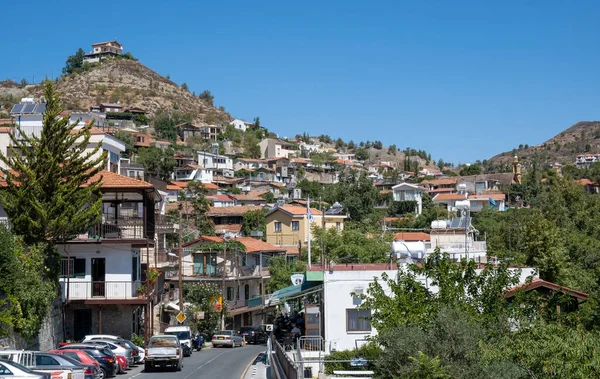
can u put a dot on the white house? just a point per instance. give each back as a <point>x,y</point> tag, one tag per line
<point>240,124</point>
<point>193,172</point>
<point>219,164</point>
<point>409,192</point>
<point>477,202</point>
<point>309,148</point>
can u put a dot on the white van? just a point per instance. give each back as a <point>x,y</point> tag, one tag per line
<point>184,334</point>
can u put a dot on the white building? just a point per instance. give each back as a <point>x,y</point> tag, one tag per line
<point>240,124</point>
<point>272,148</point>
<point>409,192</point>
<point>191,172</point>
<point>220,164</point>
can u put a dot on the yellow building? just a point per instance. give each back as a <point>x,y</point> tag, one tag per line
<point>287,224</point>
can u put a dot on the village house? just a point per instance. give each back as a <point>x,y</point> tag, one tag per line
<point>287,225</point>
<point>409,192</point>
<point>272,148</point>
<point>477,202</point>
<point>241,124</point>
<point>241,264</point>
<point>102,50</point>
<point>230,219</point>
<point>440,185</point>
<point>248,164</point>
<point>251,198</point>
<point>221,201</point>
<point>220,165</point>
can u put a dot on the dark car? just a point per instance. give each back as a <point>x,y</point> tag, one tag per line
<point>253,334</point>
<point>105,357</point>
<point>57,361</point>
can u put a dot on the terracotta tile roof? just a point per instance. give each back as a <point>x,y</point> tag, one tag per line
<point>300,160</point>
<point>441,190</point>
<point>203,239</point>
<point>187,206</point>
<point>412,236</point>
<point>586,182</point>
<point>251,160</point>
<point>253,245</point>
<point>93,130</point>
<point>385,192</point>
<point>449,197</point>
<point>248,197</point>
<point>114,180</point>
<point>486,196</point>
<point>219,198</point>
<point>537,283</point>
<point>232,211</point>
<point>173,187</point>
<point>180,184</point>
<point>234,228</point>
<point>291,250</point>
<point>298,211</point>
<point>345,162</point>
<point>441,181</point>
<point>6,129</point>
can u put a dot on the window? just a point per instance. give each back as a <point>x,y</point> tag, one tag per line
<point>74,268</point>
<point>230,293</point>
<point>295,225</point>
<point>277,226</point>
<point>4,370</point>
<point>134,269</point>
<point>45,360</point>
<point>357,320</point>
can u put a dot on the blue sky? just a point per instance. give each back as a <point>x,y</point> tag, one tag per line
<point>463,80</point>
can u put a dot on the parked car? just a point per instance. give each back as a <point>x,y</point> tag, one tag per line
<point>116,348</point>
<point>13,370</point>
<point>141,355</point>
<point>105,357</point>
<point>123,365</point>
<point>253,334</point>
<point>135,350</point>
<point>227,338</point>
<point>83,358</point>
<point>70,368</point>
<point>164,350</point>
<point>184,334</point>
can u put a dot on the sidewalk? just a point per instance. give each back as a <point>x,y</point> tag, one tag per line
<point>258,368</point>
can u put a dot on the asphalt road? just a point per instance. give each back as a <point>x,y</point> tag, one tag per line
<point>221,363</point>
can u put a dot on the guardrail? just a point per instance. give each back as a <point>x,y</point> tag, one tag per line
<point>289,368</point>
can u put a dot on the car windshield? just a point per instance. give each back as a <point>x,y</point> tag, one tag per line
<point>162,342</point>
<point>20,367</point>
<point>183,335</point>
<point>223,333</point>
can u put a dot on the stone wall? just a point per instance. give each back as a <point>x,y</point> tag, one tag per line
<point>105,319</point>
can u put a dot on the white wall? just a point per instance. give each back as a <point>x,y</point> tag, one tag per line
<point>239,124</point>
<point>118,269</point>
<point>337,299</point>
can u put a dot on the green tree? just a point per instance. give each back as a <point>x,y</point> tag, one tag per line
<point>362,154</point>
<point>53,190</point>
<point>129,56</point>
<point>196,195</point>
<point>184,87</point>
<point>74,62</point>
<point>157,162</point>
<point>392,149</point>
<point>129,141</point>
<point>255,221</point>
<point>281,269</point>
<point>207,97</point>
<point>474,169</point>
<point>350,246</point>
<point>351,145</point>
<point>201,296</point>
<point>268,196</point>
<point>251,147</point>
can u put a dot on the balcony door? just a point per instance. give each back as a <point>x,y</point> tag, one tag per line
<point>98,276</point>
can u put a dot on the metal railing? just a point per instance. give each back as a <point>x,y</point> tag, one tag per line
<point>84,290</point>
<point>290,369</point>
<point>311,343</point>
<point>118,227</point>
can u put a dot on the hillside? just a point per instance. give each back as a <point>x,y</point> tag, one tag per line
<point>583,137</point>
<point>132,84</point>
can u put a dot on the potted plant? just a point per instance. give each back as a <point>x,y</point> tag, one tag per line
<point>152,275</point>
<point>141,290</point>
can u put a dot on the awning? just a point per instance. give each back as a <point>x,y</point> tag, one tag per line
<point>293,292</point>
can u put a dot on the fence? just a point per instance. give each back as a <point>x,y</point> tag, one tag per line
<point>290,369</point>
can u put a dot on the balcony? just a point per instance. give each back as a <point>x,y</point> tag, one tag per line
<point>103,291</point>
<point>122,227</point>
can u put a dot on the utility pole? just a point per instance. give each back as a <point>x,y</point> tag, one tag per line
<point>180,207</point>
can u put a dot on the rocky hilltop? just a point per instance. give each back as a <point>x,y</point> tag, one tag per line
<point>132,84</point>
<point>583,137</point>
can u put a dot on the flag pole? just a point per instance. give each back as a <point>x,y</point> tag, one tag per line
<point>308,217</point>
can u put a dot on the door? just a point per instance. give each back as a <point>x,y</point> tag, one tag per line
<point>82,323</point>
<point>246,293</point>
<point>98,276</point>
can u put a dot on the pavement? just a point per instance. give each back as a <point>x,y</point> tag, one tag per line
<point>257,369</point>
<point>221,363</point>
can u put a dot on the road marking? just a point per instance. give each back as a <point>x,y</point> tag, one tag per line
<point>247,367</point>
<point>190,374</point>
<point>138,374</point>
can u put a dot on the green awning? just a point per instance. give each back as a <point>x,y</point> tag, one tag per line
<point>292,292</point>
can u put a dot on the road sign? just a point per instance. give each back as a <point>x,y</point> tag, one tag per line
<point>181,317</point>
<point>269,327</point>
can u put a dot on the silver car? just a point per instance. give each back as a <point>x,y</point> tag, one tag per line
<point>227,338</point>
<point>16,371</point>
<point>116,349</point>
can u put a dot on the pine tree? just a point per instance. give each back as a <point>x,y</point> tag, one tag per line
<point>53,187</point>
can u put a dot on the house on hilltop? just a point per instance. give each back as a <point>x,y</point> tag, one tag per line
<point>101,50</point>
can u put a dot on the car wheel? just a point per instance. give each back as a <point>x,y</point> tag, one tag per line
<point>102,374</point>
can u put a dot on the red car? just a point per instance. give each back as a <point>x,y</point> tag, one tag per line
<point>123,366</point>
<point>79,356</point>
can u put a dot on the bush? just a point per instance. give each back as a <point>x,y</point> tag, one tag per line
<point>369,351</point>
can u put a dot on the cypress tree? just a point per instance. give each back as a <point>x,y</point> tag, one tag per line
<point>52,188</point>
